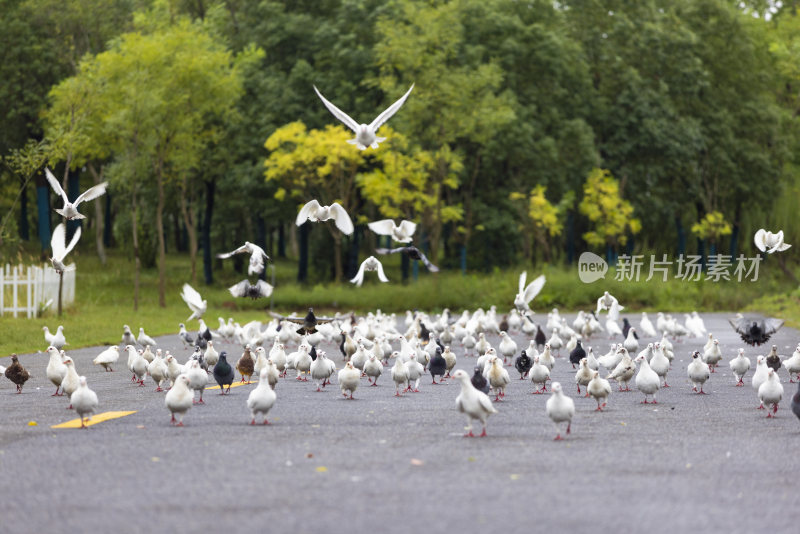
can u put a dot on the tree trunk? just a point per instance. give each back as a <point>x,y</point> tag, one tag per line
<point>337,256</point>
<point>98,215</point>
<point>207,267</point>
<point>190,222</point>
<point>137,261</point>
<point>162,249</point>
<point>302,264</point>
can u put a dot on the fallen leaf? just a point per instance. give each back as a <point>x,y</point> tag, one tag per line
<point>309,455</point>
<point>33,423</point>
<point>322,469</point>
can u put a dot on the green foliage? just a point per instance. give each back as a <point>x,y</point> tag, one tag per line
<point>712,227</point>
<point>604,206</point>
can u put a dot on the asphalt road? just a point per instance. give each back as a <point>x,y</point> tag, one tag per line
<point>705,463</point>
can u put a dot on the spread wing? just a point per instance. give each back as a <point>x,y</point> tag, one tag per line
<point>388,112</point>
<point>91,193</point>
<point>264,289</point>
<point>308,209</point>
<point>76,236</point>
<point>58,241</point>
<point>613,312</point>
<point>740,324</point>
<point>408,228</point>
<point>772,325</point>
<point>534,288</point>
<point>431,267</point>
<point>239,250</point>
<point>760,240</point>
<point>379,268</point>
<point>522,278</point>
<point>389,250</point>
<point>358,279</point>
<point>384,227</point>
<point>240,289</point>
<point>55,185</point>
<point>341,218</point>
<point>191,297</point>
<point>338,113</point>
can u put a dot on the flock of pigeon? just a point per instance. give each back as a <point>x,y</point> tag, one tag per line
<point>372,344</point>
<point>369,344</point>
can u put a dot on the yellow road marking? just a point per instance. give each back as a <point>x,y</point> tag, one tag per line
<point>236,384</point>
<point>98,418</point>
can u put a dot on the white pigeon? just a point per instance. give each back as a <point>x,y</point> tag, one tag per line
<point>158,370</point>
<point>401,233</point>
<point>370,264</point>
<point>771,392</point>
<point>400,374</point>
<point>739,367</point>
<point>507,346</point>
<point>760,375</point>
<point>211,356</point>
<point>314,212</point>
<point>698,372</point>
<point>56,340</point>
<point>647,380</point>
<point>527,293</point>
<point>792,364</point>
<point>607,302</point>
<point>257,256</point>
<point>145,340</point>
<point>262,398</point>
<point>646,327</point>
<point>198,379</point>
<point>473,403</point>
<point>127,336</point>
<point>71,380</point>
<point>713,355</point>
<point>320,369</point>
<point>599,389</point>
<point>660,363</point>
<point>179,399</point>
<point>539,375</point>
<point>70,209</point>
<point>373,369</point>
<point>366,134</point>
<point>349,378</point>
<point>56,370</point>
<point>631,344</point>
<point>560,408</point>
<point>195,302</point>
<point>84,401</point>
<point>498,378</point>
<point>58,244</point>
<point>584,375</point>
<point>107,358</point>
<point>768,242</point>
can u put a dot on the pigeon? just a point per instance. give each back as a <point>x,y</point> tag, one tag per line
<point>56,370</point>
<point>16,373</point>
<point>523,364</point>
<point>174,369</point>
<point>246,364</point>
<point>195,302</point>
<point>198,379</point>
<point>631,342</point>
<point>771,392</point>
<point>713,355</point>
<point>262,398</point>
<point>71,380</point>
<point>309,322</point>
<point>768,242</point>
<point>527,293</point>
<point>158,370</point>
<point>608,302</point>
<point>773,360</point>
<point>739,366</point>
<point>185,336</point>
<point>257,257</point>
<point>792,365</point>
<point>373,368</point>
<point>584,375</point>
<point>179,399</point>
<point>70,209</point>
<point>577,354</point>
<point>540,337</point>
<point>755,331</point>
<point>479,381</point>
<point>796,402</point>
<point>599,389</point>
<point>366,134</point>
<point>498,377</point>
<point>211,356</point>
<point>473,403</point>
<point>127,336</point>
<point>56,340</point>
<point>261,289</point>
<point>58,245</point>
<point>659,363</point>
<point>698,372</point>
<point>401,233</point>
<point>107,358</point>
<point>400,374</point>
<point>507,346</point>
<point>413,253</point>
<point>314,212</point>
<point>224,374</point>
<point>626,325</point>
<point>145,340</point>
<point>647,380</point>
<point>646,326</point>
<point>84,401</point>
<point>624,370</point>
<point>560,409</point>
<point>450,359</point>
<point>370,264</point>
<point>437,366</point>
<point>349,378</point>
<point>760,375</point>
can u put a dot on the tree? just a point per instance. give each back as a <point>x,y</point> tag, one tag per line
<point>315,164</point>
<point>604,207</point>
<point>545,219</point>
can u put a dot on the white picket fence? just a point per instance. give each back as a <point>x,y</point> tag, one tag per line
<point>31,289</point>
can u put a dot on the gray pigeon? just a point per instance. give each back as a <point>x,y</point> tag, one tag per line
<point>437,366</point>
<point>223,373</point>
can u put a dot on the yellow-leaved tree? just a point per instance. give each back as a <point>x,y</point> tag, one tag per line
<point>544,220</point>
<point>610,215</point>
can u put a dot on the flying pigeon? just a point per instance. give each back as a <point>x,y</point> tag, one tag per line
<point>257,256</point>
<point>401,233</point>
<point>370,264</point>
<point>529,292</point>
<point>755,331</point>
<point>365,133</point>
<point>195,302</point>
<point>412,252</point>
<point>70,209</point>
<point>314,212</point>
<point>246,289</point>
<point>769,242</point>
<point>309,322</point>
<point>58,243</point>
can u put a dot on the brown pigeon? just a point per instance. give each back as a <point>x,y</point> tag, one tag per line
<point>16,373</point>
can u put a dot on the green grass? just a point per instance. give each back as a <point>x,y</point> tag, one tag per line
<point>104,298</point>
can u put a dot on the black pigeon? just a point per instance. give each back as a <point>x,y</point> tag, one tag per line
<point>523,363</point>
<point>205,333</point>
<point>412,252</point>
<point>504,324</point>
<point>16,373</point>
<point>755,332</point>
<point>201,343</point>
<point>424,333</point>
<point>261,289</point>
<point>309,322</point>
<point>223,373</point>
<point>796,402</point>
<point>773,360</point>
<point>341,345</point>
<point>578,354</point>
<point>479,381</point>
<point>540,338</point>
<point>627,326</point>
<point>313,353</point>
<point>437,366</point>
